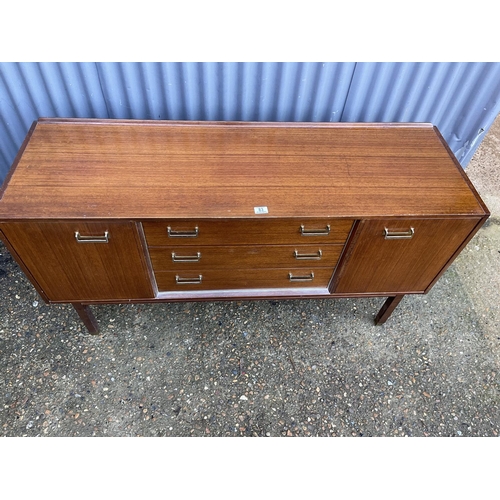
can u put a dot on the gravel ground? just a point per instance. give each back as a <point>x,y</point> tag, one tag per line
<point>264,368</point>
<point>295,368</point>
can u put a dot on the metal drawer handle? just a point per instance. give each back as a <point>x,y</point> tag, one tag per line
<point>315,232</point>
<point>399,235</point>
<point>182,234</point>
<point>92,239</point>
<point>308,256</point>
<point>186,258</point>
<point>291,277</point>
<point>188,281</point>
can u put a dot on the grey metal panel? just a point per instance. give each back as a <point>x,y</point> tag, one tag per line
<point>462,99</point>
<point>226,91</point>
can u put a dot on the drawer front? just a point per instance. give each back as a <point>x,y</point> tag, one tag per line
<point>220,279</point>
<point>247,231</point>
<point>240,257</point>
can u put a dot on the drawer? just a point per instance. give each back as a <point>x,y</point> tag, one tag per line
<point>220,279</point>
<point>259,256</point>
<point>246,231</point>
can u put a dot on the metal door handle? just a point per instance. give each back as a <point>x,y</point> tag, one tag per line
<point>188,281</point>
<point>186,258</point>
<point>315,232</point>
<point>92,239</point>
<point>308,256</point>
<point>182,234</point>
<point>399,235</point>
<point>309,277</point>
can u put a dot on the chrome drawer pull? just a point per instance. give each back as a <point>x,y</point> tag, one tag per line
<point>188,281</point>
<point>291,277</point>
<point>186,258</point>
<point>182,234</point>
<point>398,235</point>
<point>308,256</point>
<point>92,239</point>
<point>315,232</point>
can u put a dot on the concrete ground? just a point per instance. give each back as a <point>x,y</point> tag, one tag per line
<point>265,368</point>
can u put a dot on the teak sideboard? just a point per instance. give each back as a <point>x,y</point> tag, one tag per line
<point>122,211</point>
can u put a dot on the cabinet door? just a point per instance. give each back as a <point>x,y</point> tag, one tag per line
<point>408,260</point>
<point>82,261</point>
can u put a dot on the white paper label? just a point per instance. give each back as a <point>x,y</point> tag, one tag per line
<point>260,210</point>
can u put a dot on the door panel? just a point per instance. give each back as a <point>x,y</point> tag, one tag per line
<point>109,266</point>
<point>385,266</point>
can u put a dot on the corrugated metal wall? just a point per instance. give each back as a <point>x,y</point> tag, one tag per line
<point>462,99</point>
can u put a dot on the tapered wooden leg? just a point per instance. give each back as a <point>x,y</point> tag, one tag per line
<point>386,310</point>
<point>87,317</point>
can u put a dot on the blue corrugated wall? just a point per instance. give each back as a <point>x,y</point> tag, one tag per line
<point>462,99</point>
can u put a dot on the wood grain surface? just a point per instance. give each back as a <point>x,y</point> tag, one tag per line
<point>248,231</point>
<point>379,265</point>
<point>252,256</point>
<point>69,271</point>
<point>151,170</point>
<point>221,279</point>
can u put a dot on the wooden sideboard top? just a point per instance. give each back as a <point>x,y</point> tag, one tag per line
<point>78,168</point>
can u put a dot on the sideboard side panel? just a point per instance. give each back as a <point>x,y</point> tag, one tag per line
<point>21,264</point>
